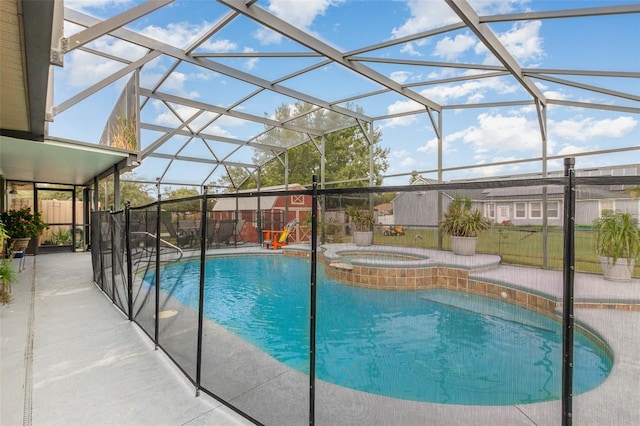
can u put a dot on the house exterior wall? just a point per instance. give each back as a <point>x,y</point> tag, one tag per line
<point>416,209</point>
<point>589,210</point>
<point>523,212</point>
<point>586,212</point>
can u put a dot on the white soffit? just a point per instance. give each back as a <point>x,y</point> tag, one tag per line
<point>54,162</point>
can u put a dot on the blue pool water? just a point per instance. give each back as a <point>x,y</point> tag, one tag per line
<point>433,345</point>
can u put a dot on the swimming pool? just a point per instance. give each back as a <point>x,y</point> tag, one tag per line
<point>425,345</point>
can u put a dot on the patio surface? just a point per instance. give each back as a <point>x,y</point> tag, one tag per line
<point>69,357</point>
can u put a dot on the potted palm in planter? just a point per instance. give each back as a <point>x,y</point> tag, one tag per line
<point>463,224</point>
<point>21,226</point>
<point>617,244</point>
<point>363,222</point>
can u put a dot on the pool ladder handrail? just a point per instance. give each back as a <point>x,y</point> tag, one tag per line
<point>154,236</point>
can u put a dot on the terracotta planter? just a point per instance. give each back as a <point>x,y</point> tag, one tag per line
<point>464,246</point>
<point>620,272</point>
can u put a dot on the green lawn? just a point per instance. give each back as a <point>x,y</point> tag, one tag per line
<point>516,247</point>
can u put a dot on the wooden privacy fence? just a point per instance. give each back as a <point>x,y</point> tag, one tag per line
<point>53,212</point>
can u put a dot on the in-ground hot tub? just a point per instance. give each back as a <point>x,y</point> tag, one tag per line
<point>400,268</point>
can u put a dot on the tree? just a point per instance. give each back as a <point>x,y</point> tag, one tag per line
<point>414,177</point>
<point>346,150</point>
<point>182,206</point>
<point>138,194</point>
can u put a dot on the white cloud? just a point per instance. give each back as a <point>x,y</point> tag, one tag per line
<point>400,154</point>
<point>300,13</point>
<point>554,94</point>
<point>408,162</point>
<point>450,49</point>
<point>409,49</point>
<point>179,34</point>
<point>496,133</point>
<point>400,76</point>
<point>586,129</point>
<point>426,15</point>
<point>399,107</point>
<point>266,36</point>
<point>523,41</point>
<point>250,63</point>
<point>432,144</point>
<point>168,118</point>
<point>219,46</point>
<point>214,129</point>
<point>85,69</point>
<point>574,149</point>
<point>404,158</point>
<point>84,5</point>
<point>472,89</point>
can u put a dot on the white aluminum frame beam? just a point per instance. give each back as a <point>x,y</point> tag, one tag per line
<point>105,27</point>
<point>282,27</point>
<point>491,42</point>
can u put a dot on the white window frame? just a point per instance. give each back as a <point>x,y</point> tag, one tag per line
<point>490,210</point>
<point>606,205</point>
<point>516,211</point>
<point>550,210</point>
<point>535,209</point>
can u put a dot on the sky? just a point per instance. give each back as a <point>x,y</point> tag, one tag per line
<point>471,136</point>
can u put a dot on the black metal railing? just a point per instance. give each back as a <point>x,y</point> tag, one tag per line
<point>154,262</point>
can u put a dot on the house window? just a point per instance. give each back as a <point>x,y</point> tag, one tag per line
<point>297,200</point>
<point>521,210</point>
<point>606,205</point>
<point>535,210</point>
<point>553,209</point>
<point>490,210</point>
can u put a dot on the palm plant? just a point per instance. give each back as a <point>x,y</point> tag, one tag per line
<point>362,219</point>
<point>617,237</point>
<point>461,220</point>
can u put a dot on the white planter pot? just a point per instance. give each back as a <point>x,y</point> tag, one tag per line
<point>621,271</point>
<point>464,246</point>
<point>363,239</point>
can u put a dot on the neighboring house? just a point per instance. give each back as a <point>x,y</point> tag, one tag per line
<point>384,214</point>
<point>416,208</point>
<point>523,205</point>
<point>277,211</point>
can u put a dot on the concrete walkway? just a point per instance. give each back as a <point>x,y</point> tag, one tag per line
<point>70,358</point>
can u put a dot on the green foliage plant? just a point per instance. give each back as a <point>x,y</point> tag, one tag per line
<point>23,223</point>
<point>617,236</point>
<point>3,235</point>
<point>461,220</point>
<point>362,219</point>
<point>61,238</point>
<point>8,275</point>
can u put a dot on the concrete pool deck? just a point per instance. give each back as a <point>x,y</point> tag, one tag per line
<point>69,357</point>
